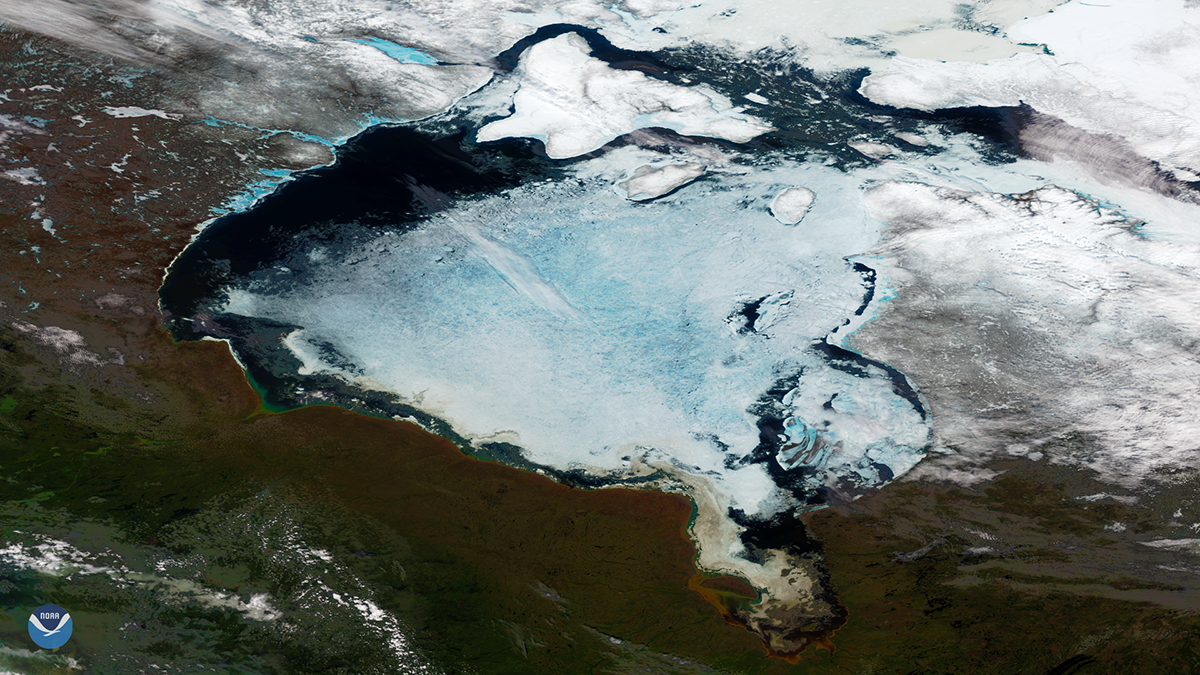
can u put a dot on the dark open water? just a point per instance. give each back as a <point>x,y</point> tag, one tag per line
<point>369,187</point>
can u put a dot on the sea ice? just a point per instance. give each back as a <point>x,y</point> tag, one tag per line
<point>576,103</point>
<point>649,182</point>
<point>684,315</point>
<point>851,430</point>
<point>792,204</point>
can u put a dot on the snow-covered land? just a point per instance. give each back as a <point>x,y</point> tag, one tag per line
<point>1055,318</point>
<point>328,68</point>
<point>1125,68</point>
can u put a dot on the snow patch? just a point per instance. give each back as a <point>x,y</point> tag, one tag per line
<point>1185,545</point>
<point>54,557</point>
<point>135,111</point>
<point>1121,499</point>
<point>25,176</point>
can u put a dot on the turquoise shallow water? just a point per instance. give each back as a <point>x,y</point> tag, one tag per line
<point>399,52</point>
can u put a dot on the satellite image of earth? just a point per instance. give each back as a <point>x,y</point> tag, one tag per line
<point>740,337</point>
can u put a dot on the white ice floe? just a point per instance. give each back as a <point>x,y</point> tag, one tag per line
<point>575,103</point>
<point>1124,68</point>
<point>872,150</point>
<point>791,205</point>
<point>649,182</point>
<point>912,139</point>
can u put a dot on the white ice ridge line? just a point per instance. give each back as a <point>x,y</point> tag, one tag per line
<point>517,270</point>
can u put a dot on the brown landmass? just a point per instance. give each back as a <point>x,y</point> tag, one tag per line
<point>516,566</point>
<point>91,371</point>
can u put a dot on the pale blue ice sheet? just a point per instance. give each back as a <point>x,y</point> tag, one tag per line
<point>590,330</point>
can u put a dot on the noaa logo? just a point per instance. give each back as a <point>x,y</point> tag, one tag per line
<point>50,626</point>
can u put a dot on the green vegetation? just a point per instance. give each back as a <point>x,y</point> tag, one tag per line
<point>490,569</point>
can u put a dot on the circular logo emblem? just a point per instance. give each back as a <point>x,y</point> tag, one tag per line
<point>50,626</point>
